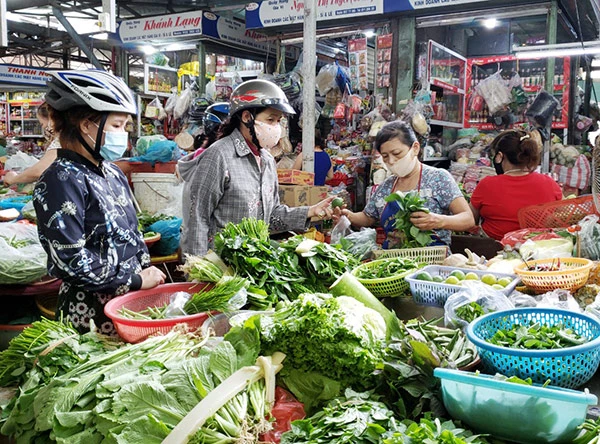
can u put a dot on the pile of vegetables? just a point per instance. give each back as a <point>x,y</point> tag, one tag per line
<point>387,268</point>
<point>140,393</point>
<point>409,203</point>
<point>145,219</point>
<point>23,260</point>
<point>536,336</point>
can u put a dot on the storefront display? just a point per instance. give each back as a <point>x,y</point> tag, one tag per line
<point>160,80</point>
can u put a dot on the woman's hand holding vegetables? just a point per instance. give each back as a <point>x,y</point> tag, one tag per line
<point>151,277</point>
<point>427,221</point>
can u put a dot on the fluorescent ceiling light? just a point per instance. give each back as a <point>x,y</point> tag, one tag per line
<point>596,63</point>
<point>100,36</point>
<point>148,49</point>
<point>490,23</point>
<point>595,75</point>
<point>370,33</point>
<point>558,50</point>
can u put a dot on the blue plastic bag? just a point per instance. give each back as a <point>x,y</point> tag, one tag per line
<point>170,236</point>
<point>161,151</point>
<point>16,202</point>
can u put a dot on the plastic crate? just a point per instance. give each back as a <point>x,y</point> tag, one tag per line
<point>556,214</point>
<point>574,274</point>
<point>436,293</point>
<point>136,330</point>
<point>392,286</point>
<point>497,407</point>
<point>566,367</point>
<point>430,255</point>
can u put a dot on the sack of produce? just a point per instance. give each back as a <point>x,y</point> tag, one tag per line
<point>23,259</point>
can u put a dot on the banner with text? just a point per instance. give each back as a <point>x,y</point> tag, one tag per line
<point>161,27</point>
<point>23,75</point>
<point>287,12</point>
<point>411,5</point>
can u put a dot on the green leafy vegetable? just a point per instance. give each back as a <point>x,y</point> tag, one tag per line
<point>534,335</point>
<point>387,268</point>
<point>469,312</point>
<point>409,203</point>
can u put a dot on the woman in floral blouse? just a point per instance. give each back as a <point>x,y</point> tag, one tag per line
<point>86,219</point>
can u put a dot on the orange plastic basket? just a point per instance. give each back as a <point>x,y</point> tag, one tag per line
<point>136,330</point>
<point>573,274</point>
<point>556,214</point>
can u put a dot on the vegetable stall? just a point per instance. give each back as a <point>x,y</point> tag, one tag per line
<point>296,344</point>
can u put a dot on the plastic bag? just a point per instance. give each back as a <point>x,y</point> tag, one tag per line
<point>547,248</point>
<point>341,230</point>
<point>23,259</point>
<point>559,299</point>
<point>171,101</point>
<point>169,235</point>
<point>589,237</point>
<point>151,111</point>
<point>161,151</point>
<point>285,410</point>
<point>340,111</point>
<point>145,142</point>
<point>326,79</point>
<point>489,299</point>
<point>183,103</point>
<point>494,91</point>
<point>176,303</point>
<point>19,162</point>
<point>360,243</point>
<point>16,202</point>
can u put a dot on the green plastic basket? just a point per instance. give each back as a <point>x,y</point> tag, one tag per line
<point>430,255</point>
<point>389,287</point>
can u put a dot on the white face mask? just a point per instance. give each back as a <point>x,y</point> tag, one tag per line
<point>267,135</point>
<point>403,167</point>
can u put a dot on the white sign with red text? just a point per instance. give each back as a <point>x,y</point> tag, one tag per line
<point>161,27</point>
<point>23,75</point>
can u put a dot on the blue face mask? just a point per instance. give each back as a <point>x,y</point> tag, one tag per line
<point>115,144</point>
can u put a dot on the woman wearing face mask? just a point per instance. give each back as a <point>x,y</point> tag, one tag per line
<point>33,173</point>
<point>399,148</point>
<point>497,199</point>
<point>86,219</point>
<point>236,177</point>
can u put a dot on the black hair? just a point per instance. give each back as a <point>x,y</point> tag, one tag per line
<point>318,138</point>
<point>519,148</point>
<point>395,130</point>
<point>66,123</point>
<point>234,122</point>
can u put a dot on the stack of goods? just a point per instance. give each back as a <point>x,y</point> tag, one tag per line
<point>470,175</point>
<point>571,167</point>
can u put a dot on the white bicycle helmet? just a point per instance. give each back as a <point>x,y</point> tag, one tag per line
<point>259,93</point>
<point>95,88</point>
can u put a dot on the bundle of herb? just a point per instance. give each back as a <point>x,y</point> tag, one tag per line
<point>409,203</point>
<point>200,269</point>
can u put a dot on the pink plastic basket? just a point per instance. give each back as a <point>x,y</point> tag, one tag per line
<point>134,330</point>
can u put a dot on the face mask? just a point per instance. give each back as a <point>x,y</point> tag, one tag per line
<point>498,166</point>
<point>267,135</point>
<point>115,144</point>
<point>403,167</point>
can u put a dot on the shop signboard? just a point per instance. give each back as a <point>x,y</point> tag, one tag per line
<point>169,26</point>
<point>411,5</point>
<point>269,13</point>
<point>23,75</point>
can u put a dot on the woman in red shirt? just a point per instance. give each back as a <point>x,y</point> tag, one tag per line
<point>497,199</point>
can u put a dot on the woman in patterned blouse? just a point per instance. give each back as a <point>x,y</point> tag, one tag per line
<point>86,219</point>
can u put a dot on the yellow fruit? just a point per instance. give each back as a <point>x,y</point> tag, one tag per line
<point>452,280</point>
<point>504,281</point>
<point>459,274</point>
<point>489,279</point>
<point>471,276</point>
<point>497,287</point>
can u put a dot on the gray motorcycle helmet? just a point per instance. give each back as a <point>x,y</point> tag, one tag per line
<point>259,94</point>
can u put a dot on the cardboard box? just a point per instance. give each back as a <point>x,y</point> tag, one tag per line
<point>317,194</point>
<point>294,195</point>
<point>295,177</point>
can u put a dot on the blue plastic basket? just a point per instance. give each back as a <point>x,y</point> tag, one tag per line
<point>436,293</point>
<point>568,367</point>
<point>497,407</point>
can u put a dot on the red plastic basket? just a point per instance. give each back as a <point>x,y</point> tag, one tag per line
<point>556,214</point>
<point>134,330</point>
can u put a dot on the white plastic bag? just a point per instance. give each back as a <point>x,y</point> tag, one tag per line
<point>171,101</point>
<point>341,230</point>
<point>151,111</point>
<point>495,92</point>
<point>19,162</point>
<point>559,299</point>
<point>23,260</point>
<point>589,237</point>
<point>183,103</point>
<point>489,299</point>
<point>326,79</point>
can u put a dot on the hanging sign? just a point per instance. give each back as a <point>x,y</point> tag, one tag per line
<point>357,52</point>
<point>23,75</point>
<point>411,5</point>
<point>269,13</point>
<point>161,27</point>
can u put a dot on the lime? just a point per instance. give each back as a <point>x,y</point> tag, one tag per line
<point>459,274</point>
<point>497,287</point>
<point>438,278</point>
<point>504,281</point>
<point>337,202</point>
<point>424,276</point>
<point>489,279</point>
<point>452,280</point>
<point>471,276</point>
